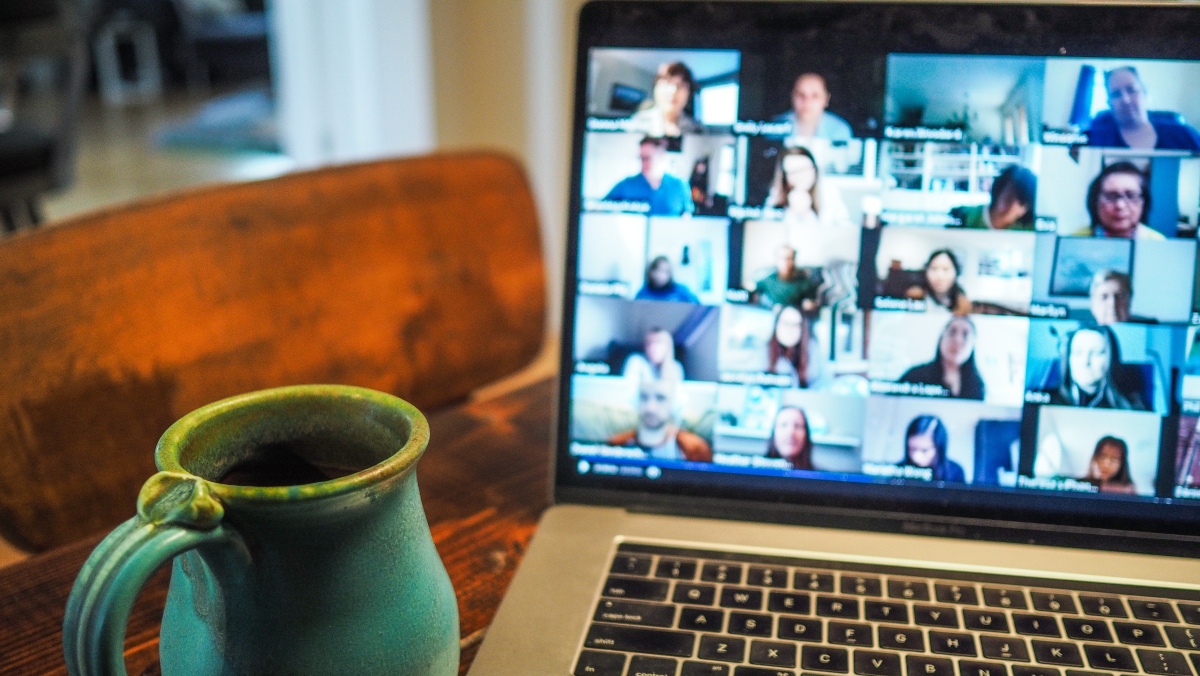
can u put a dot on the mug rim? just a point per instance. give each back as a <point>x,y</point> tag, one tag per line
<point>167,451</point>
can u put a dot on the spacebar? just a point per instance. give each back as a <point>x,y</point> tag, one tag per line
<point>637,639</point>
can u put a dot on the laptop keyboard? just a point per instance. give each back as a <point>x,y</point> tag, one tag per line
<point>665,611</point>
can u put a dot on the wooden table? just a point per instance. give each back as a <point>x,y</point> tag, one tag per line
<point>484,483</point>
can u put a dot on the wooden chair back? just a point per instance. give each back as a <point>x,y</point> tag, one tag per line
<point>420,277</point>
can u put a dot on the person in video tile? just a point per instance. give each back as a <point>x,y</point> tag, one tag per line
<point>672,94</point>
<point>791,347</point>
<point>657,359</point>
<point>1130,124</point>
<point>809,115</point>
<point>953,367</point>
<point>939,287</point>
<point>790,438</point>
<point>1013,195</point>
<point>788,285</point>
<point>1110,295</point>
<point>1109,468</point>
<point>666,194</point>
<point>1093,375</point>
<point>657,432</point>
<point>660,285</point>
<point>925,444</point>
<point>1118,200</point>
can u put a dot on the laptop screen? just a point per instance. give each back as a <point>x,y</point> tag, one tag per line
<point>939,257</point>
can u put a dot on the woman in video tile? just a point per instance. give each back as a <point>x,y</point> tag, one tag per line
<point>1117,201</point>
<point>925,444</point>
<point>669,103</point>
<point>1093,375</point>
<point>1013,195</point>
<point>657,359</point>
<point>790,438</point>
<point>953,367</point>
<point>790,351</point>
<point>1130,124</point>
<point>797,189</point>
<point>1109,468</point>
<point>939,287</point>
<point>661,285</point>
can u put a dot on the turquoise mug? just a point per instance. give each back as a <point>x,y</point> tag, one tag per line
<point>299,543</point>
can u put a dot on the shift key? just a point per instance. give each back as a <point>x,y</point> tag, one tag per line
<point>640,640</point>
<point>636,588</point>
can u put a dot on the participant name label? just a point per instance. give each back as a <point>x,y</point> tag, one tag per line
<point>1059,484</point>
<point>603,288</point>
<point>898,471</point>
<point>923,133</point>
<point>1047,310</point>
<point>592,368</point>
<point>1037,397</point>
<point>743,213</point>
<point>916,389</point>
<point>751,461</point>
<point>1064,138</point>
<point>902,304</point>
<point>737,295</point>
<point>1187,492</point>
<point>920,218</point>
<point>615,206</point>
<point>753,128</point>
<point>756,378</point>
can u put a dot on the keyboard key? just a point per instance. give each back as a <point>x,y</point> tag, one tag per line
<point>1079,672</point>
<point>1184,637</point>
<point>695,594</point>
<point>640,640</point>
<point>701,619</point>
<point>897,638</point>
<point>1133,633</point>
<point>1087,630</point>
<point>936,616</point>
<point>767,577</point>
<point>976,668</point>
<point>770,654</point>
<point>676,569</point>
<point>1190,613</point>
<point>1035,625</point>
<point>929,666</point>
<point>1049,602</point>
<point>837,606</point>
<point>1104,606</point>
<point>596,663</point>
<point>631,564</point>
<point>1109,658</point>
<point>813,581</point>
<point>1163,662</point>
<point>763,671</point>
<point>912,590</point>
<point>955,593</point>
<point>822,658</point>
<point>634,588</point>
<point>998,597</point>
<point>635,612</point>
<point>1057,652</point>
<point>742,599</point>
<point>799,629</point>
<point>1158,611</point>
<point>861,585</point>
<point>1025,670</point>
<point>750,624</point>
<point>846,633</point>
<point>1195,660</point>
<point>985,620</point>
<point>705,669</point>
<point>882,611</point>
<point>652,666</point>
<point>870,663</point>
<point>783,602</point>
<point>722,648</point>
<point>948,643</point>
<point>1003,648</point>
<point>727,573</point>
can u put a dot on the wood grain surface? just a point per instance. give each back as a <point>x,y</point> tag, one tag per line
<point>420,277</point>
<point>484,484</point>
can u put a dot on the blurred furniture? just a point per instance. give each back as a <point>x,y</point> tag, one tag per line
<point>38,134</point>
<point>234,43</point>
<point>994,450</point>
<point>146,83</point>
<point>483,485</point>
<point>420,277</point>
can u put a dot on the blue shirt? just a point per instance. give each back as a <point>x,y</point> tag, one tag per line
<point>830,127</point>
<point>672,292</point>
<point>1172,135</point>
<point>672,198</point>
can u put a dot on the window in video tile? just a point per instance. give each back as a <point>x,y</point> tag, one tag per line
<point>640,339</point>
<point>662,92</point>
<point>920,439</point>
<point>980,357</point>
<point>663,420</point>
<point>1088,451</point>
<point>788,429</point>
<point>1122,103</point>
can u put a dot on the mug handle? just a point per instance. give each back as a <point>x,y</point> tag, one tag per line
<point>176,512</point>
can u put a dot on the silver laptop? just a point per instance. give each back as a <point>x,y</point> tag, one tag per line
<point>879,347</point>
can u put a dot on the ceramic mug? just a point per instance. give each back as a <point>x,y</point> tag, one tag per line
<point>299,543</point>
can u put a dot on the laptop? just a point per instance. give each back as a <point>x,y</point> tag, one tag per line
<point>879,346</point>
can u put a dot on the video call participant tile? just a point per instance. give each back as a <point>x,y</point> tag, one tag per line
<point>1091,451</point>
<point>1187,453</point>
<point>646,339</point>
<point>785,347</point>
